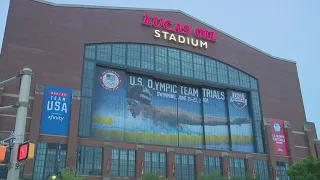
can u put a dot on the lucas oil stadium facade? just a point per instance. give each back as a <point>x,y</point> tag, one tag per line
<point>120,92</point>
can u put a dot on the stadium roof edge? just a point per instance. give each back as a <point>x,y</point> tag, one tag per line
<point>165,10</point>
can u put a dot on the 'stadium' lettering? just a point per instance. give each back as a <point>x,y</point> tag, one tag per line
<point>214,94</point>
<point>180,39</point>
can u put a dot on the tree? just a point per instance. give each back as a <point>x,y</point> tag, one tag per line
<point>67,174</point>
<point>151,176</point>
<point>213,175</point>
<point>308,169</point>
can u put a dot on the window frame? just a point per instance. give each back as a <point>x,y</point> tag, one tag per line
<point>159,163</point>
<point>128,174</point>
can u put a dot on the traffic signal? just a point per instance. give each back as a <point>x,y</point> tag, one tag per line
<point>25,151</point>
<point>3,150</point>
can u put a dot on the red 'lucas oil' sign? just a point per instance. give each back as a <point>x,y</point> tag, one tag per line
<point>176,31</point>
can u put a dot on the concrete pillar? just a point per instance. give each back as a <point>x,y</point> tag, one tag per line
<point>225,163</point>
<point>171,161</point>
<point>139,160</point>
<point>73,129</point>
<point>249,164</point>
<point>35,126</point>
<point>310,138</point>
<point>290,142</point>
<point>107,160</point>
<point>269,147</point>
<point>199,162</point>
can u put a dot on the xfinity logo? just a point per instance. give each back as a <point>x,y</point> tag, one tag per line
<point>57,118</point>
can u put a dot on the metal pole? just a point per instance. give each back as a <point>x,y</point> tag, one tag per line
<point>4,108</point>
<point>5,82</point>
<point>20,126</point>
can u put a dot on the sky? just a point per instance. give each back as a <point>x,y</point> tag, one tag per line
<point>288,29</point>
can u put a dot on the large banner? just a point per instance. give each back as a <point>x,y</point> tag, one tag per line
<point>279,137</point>
<point>190,117</point>
<point>240,122</point>
<point>56,111</point>
<point>135,108</point>
<point>215,119</point>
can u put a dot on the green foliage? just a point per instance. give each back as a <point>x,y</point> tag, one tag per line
<point>151,176</point>
<point>308,169</point>
<point>67,174</point>
<point>215,175</point>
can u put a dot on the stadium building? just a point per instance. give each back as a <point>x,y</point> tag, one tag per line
<point>120,92</point>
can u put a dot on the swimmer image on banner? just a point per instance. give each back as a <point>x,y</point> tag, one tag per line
<point>136,108</point>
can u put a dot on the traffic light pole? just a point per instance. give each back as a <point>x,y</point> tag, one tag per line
<point>20,125</point>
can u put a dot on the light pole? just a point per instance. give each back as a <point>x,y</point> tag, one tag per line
<point>20,126</point>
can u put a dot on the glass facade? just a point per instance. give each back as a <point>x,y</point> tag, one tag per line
<point>238,168</point>
<point>212,164</point>
<point>261,168</point>
<point>172,62</point>
<point>155,162</point>
<point>282,167</point>
<point>185,168</point>
<point>49,158</point>
<point>89,160</point>
<point>123,163</point>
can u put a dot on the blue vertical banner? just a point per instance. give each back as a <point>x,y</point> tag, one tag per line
<point>56,111</point>
<point>240,122</point>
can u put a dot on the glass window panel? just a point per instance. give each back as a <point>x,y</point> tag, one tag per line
<point>244,80</point>
<point>174,61</point>
<point>90,51</point>
<point>212,165</point>
<point>261,169</point>
<point>185,167</point>
<point>155,162</point>
<point>147,57</point>
<point>89,160</point>
<point>237,168</point>
<point>233,76</point>
<point>134,55</point>
<point>85,117</point>
<point>222,73</point>
<point>257,122</point>
<point>104,52</point>
<point>253,83</point>
<point>211,70</point>
<point>186,64</point>
<point>49,158</point>
<point>198,64</point>
<point>119,53</point>
<point>282,167</point>
<point>161,59</point>
<point>123,163</point>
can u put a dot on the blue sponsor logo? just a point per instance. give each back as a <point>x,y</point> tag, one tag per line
<point>56,111</point>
